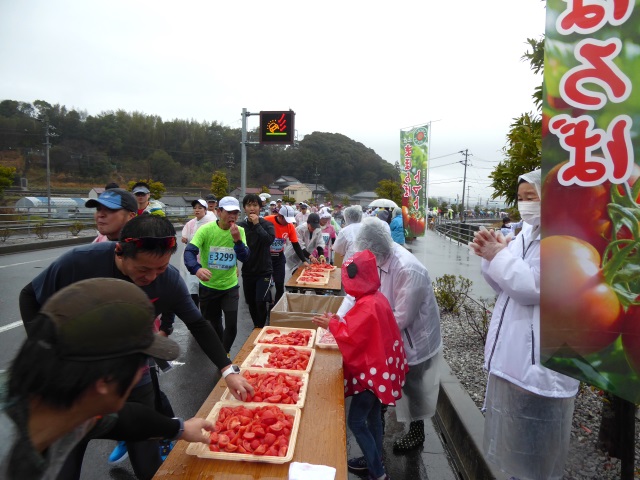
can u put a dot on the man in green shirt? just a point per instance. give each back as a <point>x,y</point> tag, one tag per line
<point>220,244</point>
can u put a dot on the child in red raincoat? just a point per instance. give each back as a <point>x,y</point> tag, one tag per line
<point>374,362</point>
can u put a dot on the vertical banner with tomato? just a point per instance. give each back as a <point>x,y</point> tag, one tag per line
<point>414,149</point>
<point>590,248</point>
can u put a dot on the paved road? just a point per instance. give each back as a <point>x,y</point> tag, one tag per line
<point>193,376</point>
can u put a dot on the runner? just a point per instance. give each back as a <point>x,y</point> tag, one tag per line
<point>202,216</point>
<point>71,377</point>
<point>145,204</point>
<point>222,243</point>
<point>257,270</point>
<point>114,208</point>
<point>285,230</point>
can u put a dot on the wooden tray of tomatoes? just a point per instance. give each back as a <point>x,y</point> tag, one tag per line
<point>250,433</point>
<point>325,339</point>
<point>279,387</point>
<point>297,337</point>
<point>280,357</point>
<point>321,267</point>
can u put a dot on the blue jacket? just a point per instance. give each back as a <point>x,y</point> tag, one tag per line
<point>397,230</point>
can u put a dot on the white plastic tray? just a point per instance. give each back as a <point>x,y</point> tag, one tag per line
<point>258,357</point>
<point>302,395</point>
<point>202,451</point>
<point>320,333</point>
<point>265,335</point>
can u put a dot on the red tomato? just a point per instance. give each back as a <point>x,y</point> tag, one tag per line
<point>223,441</point>
<point>269,438</point>
<point>577,211</point>
<point>260,450</point>
<point>580,313</point>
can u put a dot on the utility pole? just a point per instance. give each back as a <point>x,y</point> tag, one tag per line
<point>464,182</point>
<point>243,150</point>
<point>47,145</point>
<point>468,196</point>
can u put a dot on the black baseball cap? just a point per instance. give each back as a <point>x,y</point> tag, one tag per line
<point>211,198</point>
<point>103,318</point>
<point>314,220</point>
<point>114,199</point>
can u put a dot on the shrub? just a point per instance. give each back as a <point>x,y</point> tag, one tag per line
<point>451,292</point>
<point>4,234</point>
<point>477,314</point>
<point>75,228</point>
<point>41,230</point>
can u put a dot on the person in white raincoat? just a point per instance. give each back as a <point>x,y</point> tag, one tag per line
<point>310,240</point>
<point>202,216</point>
<point>346,242</point>
<point>528,407</point>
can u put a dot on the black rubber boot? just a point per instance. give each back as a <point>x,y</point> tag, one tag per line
<point>413,439</point>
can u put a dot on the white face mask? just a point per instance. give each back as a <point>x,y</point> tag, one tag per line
<point>530,212</point>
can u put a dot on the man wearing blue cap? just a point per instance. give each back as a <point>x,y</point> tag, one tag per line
<point>114,208</point>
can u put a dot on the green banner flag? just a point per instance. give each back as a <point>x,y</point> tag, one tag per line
<point>414,150</point>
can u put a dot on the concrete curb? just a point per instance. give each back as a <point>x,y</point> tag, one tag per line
<point>45,244</point>
<point>462,425</point>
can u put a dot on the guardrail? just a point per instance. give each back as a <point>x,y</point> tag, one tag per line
<point>462,232</point>
<point>39,226</point>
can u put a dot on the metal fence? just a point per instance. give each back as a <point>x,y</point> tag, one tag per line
<point>461,233</point>
<point>40,224</point>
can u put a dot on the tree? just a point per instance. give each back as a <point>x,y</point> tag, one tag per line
<point>523,151</point>
<point>7,175</point>
<point>524,154</point>
<point>157,189</point>
<point>219,184</point>
<point>389,189</point>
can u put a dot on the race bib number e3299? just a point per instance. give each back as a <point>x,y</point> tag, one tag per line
<point>221,258</point>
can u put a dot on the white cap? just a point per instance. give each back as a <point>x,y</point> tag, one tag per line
<point>325,214</point>
<point>272,202</point>
<point>230,204</point>
<point>200,201</point>
<point>288,213</point>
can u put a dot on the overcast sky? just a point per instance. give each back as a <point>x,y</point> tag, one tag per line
<point>364,69</point>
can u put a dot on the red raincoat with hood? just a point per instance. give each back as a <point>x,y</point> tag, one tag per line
<point>368,335</point>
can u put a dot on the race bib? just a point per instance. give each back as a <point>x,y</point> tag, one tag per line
<point>277,246</point>
<point>221,258</point>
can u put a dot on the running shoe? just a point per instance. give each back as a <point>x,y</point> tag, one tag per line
<point>119,453</point>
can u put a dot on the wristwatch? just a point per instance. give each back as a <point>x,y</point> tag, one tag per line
<point>230,370</point>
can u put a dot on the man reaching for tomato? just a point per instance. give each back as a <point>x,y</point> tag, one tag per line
<point>528,407</point>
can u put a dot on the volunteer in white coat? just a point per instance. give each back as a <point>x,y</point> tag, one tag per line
<point>202,216</point>
<point>528,407</point>
<point>407,285</point>
<point>345,244</point>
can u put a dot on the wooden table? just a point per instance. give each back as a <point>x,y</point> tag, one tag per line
<point>322,438</point>
<point>334,286</point>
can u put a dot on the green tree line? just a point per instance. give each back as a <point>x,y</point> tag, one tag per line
<point>120,146</point>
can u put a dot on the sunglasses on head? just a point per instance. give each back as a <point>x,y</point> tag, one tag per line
<point>152,242</point>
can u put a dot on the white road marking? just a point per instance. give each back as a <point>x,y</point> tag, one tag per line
<point>25,263</point>
<point>10,326</point>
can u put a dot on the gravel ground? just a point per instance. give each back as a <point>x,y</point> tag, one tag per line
<point>463,350</point>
